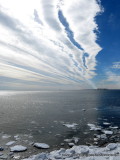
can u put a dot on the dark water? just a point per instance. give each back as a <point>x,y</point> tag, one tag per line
<point>42,114</point>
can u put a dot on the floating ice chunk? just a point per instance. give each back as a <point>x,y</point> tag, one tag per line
<point>41,145</point>
<point>93,127</point>
<point>68,140</point>
<point>16,156</point>
<point>108,132</point>
<point>116,127</point>
<point>106,123</point>
<point>76,139</point>
<point>33,122</point>
<point>103,136</point>
<point>71,144</point>
<point>4,156</point>
<point>98,129</point>
<point>96,139</point>
<point>5,136</point>
<point>96,135</point>
<point>18,148</point>
<point>16,137</point>
<point>73,125</point>
<point>10,143</point>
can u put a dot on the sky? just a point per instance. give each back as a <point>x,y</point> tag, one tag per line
<point>59,44</point>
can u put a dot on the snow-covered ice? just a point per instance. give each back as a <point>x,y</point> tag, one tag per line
<point>106,123</point>
<point>76,139</point>
<point>5,136</point>
<point>41,145</point>
<point>93,127</point>
<point>4,156</point>
<point>103,136</point>
<point>73,125</point>
<point>108,132</point>
<point>68,140</point>
<point>82,152</point>
<point>112,146</point>
<point>116,127</point>
<point>18,148</point>
<point>71,144</point>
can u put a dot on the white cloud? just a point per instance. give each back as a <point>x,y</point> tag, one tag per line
<point>81,17</point>
<point>116,65</point>
<point>110,80</point>
<point>34,45</point>
<point>112,77</point>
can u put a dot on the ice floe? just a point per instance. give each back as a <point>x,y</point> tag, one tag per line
<point>73,140</point>
<point>41,145</point>
<point>71,144</point>
<point>108,132</point>
<point>93,127</point>
<point>18,148</point>
<point>106,123</point>
<point>73,125</point>
<point>3,156</point>
<point>5,136</point>
<point>116,127</point>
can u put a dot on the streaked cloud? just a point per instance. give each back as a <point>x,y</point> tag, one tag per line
<point>49,42</point>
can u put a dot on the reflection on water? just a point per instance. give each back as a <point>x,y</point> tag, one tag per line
<point>42,114</point>
<point>109,107</point>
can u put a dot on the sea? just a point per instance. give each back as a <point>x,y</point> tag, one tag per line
<point>58,117</point>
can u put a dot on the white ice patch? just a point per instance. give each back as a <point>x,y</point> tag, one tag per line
<point>106,123</point>
<point>5,136</point>
<point>93,127</point>
<point>116,127</point>
<point>71,144</point>
<point>18,148</point>
<point>41,145</point>
<point>68,140</point>
<point>73,125</point>
<point>108,132</point>
<point>76,139</point>
<point>111,146</point>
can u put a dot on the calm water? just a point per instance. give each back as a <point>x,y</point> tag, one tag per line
<point>42,114</point>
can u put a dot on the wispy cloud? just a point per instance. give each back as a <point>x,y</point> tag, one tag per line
<point>110,80</point>
<point>113,77</point>
<point>50,42</point>
<point>116,65</point>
